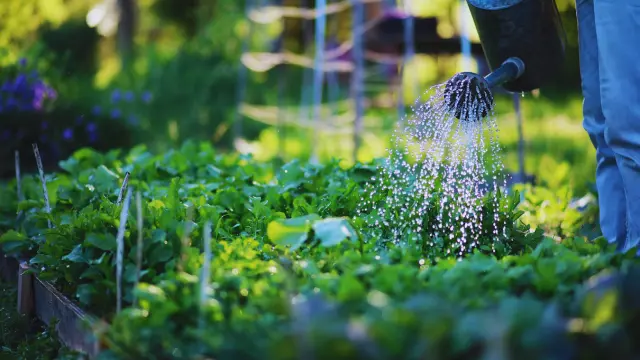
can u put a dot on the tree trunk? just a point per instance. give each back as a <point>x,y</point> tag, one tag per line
<point>126,29</point>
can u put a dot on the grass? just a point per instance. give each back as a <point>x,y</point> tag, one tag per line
<point>554,140</point>
<point>22,338</point>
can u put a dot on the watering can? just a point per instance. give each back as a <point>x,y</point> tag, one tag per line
<point>523,41</point>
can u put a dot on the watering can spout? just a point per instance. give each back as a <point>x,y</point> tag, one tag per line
<point>510,70</point>
<point>468,89</point>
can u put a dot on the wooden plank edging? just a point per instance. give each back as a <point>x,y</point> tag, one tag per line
<point>40,298</point>
<point>74,324</point>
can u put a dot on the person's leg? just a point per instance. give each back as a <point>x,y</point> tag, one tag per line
<point>608,179</point>
<point>618,29</point>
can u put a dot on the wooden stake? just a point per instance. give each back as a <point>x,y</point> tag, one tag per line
<point>125,182</point>
<point>120,251</point>
<point>25,290</point>
<point>139,244</point>
<point>36,153</point>
<point>206,266</point>
<point>184,242</point>
<point>205,272</point>
<point>18,180</point>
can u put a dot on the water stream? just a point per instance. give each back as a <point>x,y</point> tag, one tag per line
<point>437,175</point>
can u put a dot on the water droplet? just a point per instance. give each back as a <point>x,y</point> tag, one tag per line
<point>437,163</point>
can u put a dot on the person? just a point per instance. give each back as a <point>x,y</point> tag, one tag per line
<point>609,42</point>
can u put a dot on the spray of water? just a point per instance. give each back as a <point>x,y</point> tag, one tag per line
<point>434,181</point>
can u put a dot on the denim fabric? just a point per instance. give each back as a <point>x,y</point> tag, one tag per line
<point>609,39</point>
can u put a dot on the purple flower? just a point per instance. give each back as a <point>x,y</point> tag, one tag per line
<point>91,127</point>
<point>96,110</point>
<point>79,119</point>
<point>44,125</point>
<point>19,86</point>
<point>128,96</point>
<point>146,97</point>
<point>39,89</point>
<point>51,93</point>
<point>37,104</point>
<point>115,96</point>
<point>133,120</point>
<point>93,137</point>
<point>6,86</point>
<point>68,134</point>
<point>116,113</point>
<point>22,62</point>
<point>26,94</point>
<point>11,104</point>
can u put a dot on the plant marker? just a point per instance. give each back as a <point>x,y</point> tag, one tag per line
<point>18,180</point>
<point>120,251</point>
<point>185,236</point>
<point>125,182</point>
<point>36,153</point>
<point>139,247</point>
<point>206,266</point>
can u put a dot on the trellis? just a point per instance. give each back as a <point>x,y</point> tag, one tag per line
<point>313,114</point>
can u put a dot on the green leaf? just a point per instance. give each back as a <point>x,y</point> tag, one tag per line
<point>181,228</point>
<point>150,293</point>
<point>160,254</point>
<point>350,289</point>
<point>29,204</point>
<point>92,273</point>
<point>333,231</point>
<point>14,247</point>
<point>292,232</point>
<point>12,235</point>
<point>104,179</point>
<point>84,293</point>
<point>105,242</point>
<point>129,274</point>
<point>213,171</point>
<point>156,205</point>
<point>76,255</point>
<point>158,236</point>
<point>42,259</point>
<point>70,165</point>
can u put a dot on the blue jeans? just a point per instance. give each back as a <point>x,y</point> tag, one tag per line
<point>609,39</point>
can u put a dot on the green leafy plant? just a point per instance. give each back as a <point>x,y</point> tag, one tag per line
<point>293,263</point>
<point>22,337</point>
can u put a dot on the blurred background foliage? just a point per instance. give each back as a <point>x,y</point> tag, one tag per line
<point>162,71</point>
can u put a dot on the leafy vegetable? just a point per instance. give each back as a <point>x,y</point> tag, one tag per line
<point>295,270</point>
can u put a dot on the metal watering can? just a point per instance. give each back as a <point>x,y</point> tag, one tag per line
<point>524,43</point>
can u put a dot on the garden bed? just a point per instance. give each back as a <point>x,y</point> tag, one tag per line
<point>39,298</point>
<point>203,255</point>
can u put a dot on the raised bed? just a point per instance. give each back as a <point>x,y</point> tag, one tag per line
<point>41,299</point>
